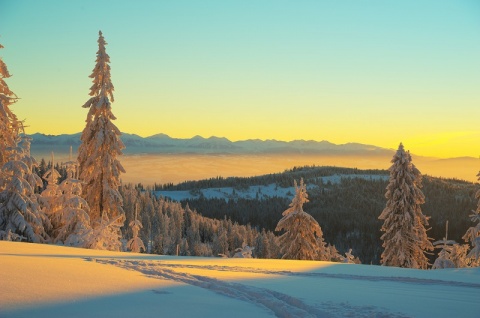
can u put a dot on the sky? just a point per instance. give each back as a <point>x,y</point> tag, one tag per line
<point>374,72</point>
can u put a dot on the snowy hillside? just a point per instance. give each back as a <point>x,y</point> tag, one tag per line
<point>52,281</point>
<point>257,191</point>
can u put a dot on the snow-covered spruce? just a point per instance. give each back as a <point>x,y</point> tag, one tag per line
<point>405,239</point>
<point>350,258</point>
<point>99,167</point>
<point>106,235</point>
<point>444,256</point>
<point>244,252</point>
<point>72,227</point>
<point>136,244</point>
<point>472,235</point>
<point>303,237</point>
<point>49,199</point>
<point>20,213</point>
<point>9,124</point>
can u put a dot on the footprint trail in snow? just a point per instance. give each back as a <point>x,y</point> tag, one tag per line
<point>280,304</point>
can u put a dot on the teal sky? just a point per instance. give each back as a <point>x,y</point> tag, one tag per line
<point>375,72</point>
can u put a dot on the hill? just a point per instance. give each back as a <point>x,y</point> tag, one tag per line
<point>346,203</point>
<point>53,281</point>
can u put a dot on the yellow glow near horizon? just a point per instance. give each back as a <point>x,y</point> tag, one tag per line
<point>317,71</point>
<point>445,144</point>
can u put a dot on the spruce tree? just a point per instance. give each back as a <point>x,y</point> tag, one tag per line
<point>405,239</point>
<point>32,177</point>
<point>20,214</point>
<point>9,124</point>
<point>136,244</point>
<point>49,198</point>
<point>106,235</point>
<point>446,246</point>
<point>303,237</point>
<point>472,235</point>
<point>99,167</point>
<point>68,211</point>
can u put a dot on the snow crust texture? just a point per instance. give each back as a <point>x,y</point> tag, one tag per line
<point>53,281</point>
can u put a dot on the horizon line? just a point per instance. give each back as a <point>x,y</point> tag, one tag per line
<point>266,140</point>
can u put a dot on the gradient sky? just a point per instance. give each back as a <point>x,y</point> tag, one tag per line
<point>374,72</point>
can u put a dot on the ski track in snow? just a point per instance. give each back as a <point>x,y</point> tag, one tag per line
<point>282,305</point>
<point>406,280</point>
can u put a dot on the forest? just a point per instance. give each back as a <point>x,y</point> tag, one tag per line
<point>347,211</point>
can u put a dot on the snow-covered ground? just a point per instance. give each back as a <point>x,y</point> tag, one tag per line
<point>258,191</point>
<point>52,281</point>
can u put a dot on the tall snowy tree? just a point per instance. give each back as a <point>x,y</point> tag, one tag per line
<point>99,167</point>
<point>472,235</point>
<point>20,213</point>
<point>303,237</point>
<point>405,239</point>
<point>9,124</point>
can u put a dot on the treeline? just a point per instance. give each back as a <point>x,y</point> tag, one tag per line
<point>347,212</point>
<point>172,229</point>
<point>284,179</point>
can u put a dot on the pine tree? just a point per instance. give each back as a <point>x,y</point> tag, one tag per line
<point>244,252</point>
<point>49,198</point>
<point>303,237</point>
<point>405,239</point>
<point>20,213</point>
<point>472,235</point>
<point>458,255</point>
<point>107,234</point>
<point>220,242</point>
<point>73,223</point>
<point>136,244</point>
<point>31,176</point>
<point>349,257</point>
<point>332,254</point>
<point>99,167</point>
<point>9,124</point>
<point>444,256</point>
<point>262,245</point>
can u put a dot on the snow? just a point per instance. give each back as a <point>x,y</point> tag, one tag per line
<point>54,281</point>
<point>263,191</point>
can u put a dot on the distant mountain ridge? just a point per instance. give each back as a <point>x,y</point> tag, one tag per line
<point>162,143</point>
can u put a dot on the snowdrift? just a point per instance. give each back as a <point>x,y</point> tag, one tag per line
<point>54,281</point>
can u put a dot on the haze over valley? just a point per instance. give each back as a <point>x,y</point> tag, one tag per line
<point>163,159</point>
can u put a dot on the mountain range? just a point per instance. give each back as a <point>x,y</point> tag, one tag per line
<point>161,143</point>
<point>166,159</point>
